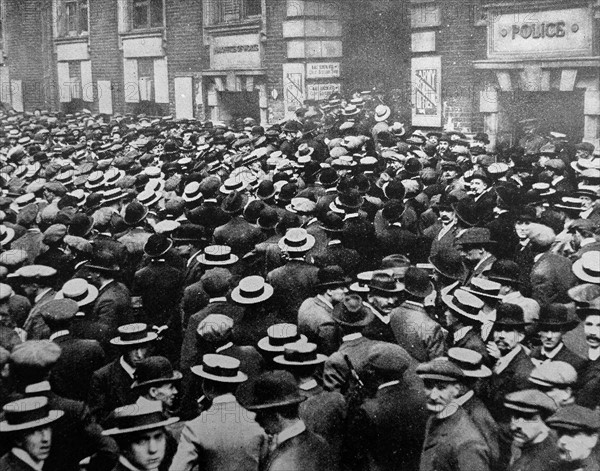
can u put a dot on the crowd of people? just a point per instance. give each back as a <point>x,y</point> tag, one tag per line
<point>335,292</point>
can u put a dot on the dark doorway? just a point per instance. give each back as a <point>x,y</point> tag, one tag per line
<point>234,105</point>
<point>556,111</point>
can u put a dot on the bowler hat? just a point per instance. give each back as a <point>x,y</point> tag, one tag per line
<point>351,312</point>
<point>81,225</point>
<point>328,177</point>
<point>133,334</point>
<point>332,222</point>
<point>157,245</point>
<point>265,190</point>
<point>268,218</point>
<point>233,203</point>
<point>383,282</point>
<point>504,271</point>
<point>466,212</point>
<point>331,276</point>
<point>135,213</point>
<point>417,282</point>
<point>448,262</point>
<point>272,389</point>
<point>555,317</point>
<point>475,236</point>
<point>27,414</point>
<point>103,261</point>
<point>138,417</point>
<point>510,315</point>
<point>154,370</point>
<point>392,211</point>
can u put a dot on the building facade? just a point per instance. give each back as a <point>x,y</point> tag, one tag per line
<point>479,65</point>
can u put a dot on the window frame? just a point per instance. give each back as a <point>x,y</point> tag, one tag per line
<point>215,12</point>
<point>63,20</point>
<point>148,25</point>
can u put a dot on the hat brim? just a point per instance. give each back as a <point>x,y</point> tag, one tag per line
<point>264,344</point>
<point>238,298</point>
<point>238,378</point>
<point>453,276</point>
<point>365,321</point>
<point>555,326</point>
<point>177,376</point>
<point>421,294</point>
<point>447,299</point>
<point>90,298</point>
<point>479,294</point>
<point>280,360</point>
<point>9,235</point>
<point>482,372</point>
<point>582,275</point>
<point>271,405</point>
<point>326,284</point>
<point>309,244</point>
<point>217,263</point>
<point>439,377</point>
<point>189,199</point>
<point>161,253</point>
<point>384,116</point>
<point>53,416</point>
<point>150,337</point>
<point>139,428</point>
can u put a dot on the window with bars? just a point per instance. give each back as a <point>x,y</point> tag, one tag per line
<point>72,18</point>
<point>230,11</point>
<point>147,14</point>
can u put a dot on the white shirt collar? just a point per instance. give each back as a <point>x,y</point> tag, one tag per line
<point>557,179</point>
<point>382,317</point>
<point>308,385</point>
<point>586,213</point>
<point>388,384</point>
<point>587,241</point>
<point>60,333</point>
<point>219,299</point>
<point>350,337</point>
<point>504,361</point>
<point>537,257</point>
<point>224,347</point>
<point>42,386</point>
<point>130,370</point>
<point>462,400</point>
<point>553,352</point>
<point>334,242</point>
<point>26,457</point>
<point>321,298</point>
<point>350,216</point>
<point>415,303</point>
<point>106,283</point>
<point>460,333</point>
<point>481,262</point>
<point>224,398</point>
<point>42,294</point>
<point>291,432</point>
<point>594,353</point>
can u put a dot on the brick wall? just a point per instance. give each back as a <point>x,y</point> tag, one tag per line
<point>107,59</point>
<point>459,42</point>
<point>274,45</point>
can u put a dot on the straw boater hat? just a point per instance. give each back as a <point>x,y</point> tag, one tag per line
<point>7,234</point>
<point>587,268</point>
<point>465,304</point>
<point>484,288</point>
<point>220,368</point>
<point>470,362</point>
<point>296,240</point>
<point>252,290</point>
<point>279,335</point>
<point>192,192</point>
<point>217,255</point>
<point>138,417</point>
<point>133,334</point>
<point>300,354</point>
<point>78,290</point>
<point>27,414</point>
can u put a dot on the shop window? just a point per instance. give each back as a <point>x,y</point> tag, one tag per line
<point>72,18</point>
<point>146,14</point>
<point>229,11</point>
<point>146,79</point>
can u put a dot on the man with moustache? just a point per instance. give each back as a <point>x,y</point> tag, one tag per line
<point>589,380</point>
<point>534,442</point>
<point>452,441</point>
<point>577,430</point>
<point>382,298</point>
<point>443,232</point>
<point>474,245</point>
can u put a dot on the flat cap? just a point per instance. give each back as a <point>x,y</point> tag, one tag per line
<point>530,401</point>
<point>35,353</point>
<point>35,271</point>
<point>54,234</point>
<point>541,235</point>
<point>59,310</point>
<point>440,369</point>
<point>575,418</point>
<point>556,164</point>
<point>388,361</point>
<point>215,328</point>
<point>13,257</point>
<point>553,374</point>
<point>5,291</point>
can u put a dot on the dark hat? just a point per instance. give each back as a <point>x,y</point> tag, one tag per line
<point>383,282</point>
<point>448,262</point>
<point>530,401</point>
<point>392,210</point>
<point>394,190</point>
<point>328,177</point>
<point>525,214</point>
<point>555,317</point>
<point>265,190</point>
<point>81,225</point>
<point>59,310</point>
<point>154,370</point>
<point>300,354</point>
<point>475,236</point>
<point>387,361</point>
<point>137,417</point>
<point>268,218</point>
<point>575,418</point>
<point>583,312</point>
<point>220,368</point>
<point>470,362</point>
<point>332,222</point>
<point>417,282</point>
<point>464,303</point>
<point>331,276</point>
<point>510,315</point>
<point>104,261</point>
<point>440,369</point>
<point>233,203</point>
<point>135,213</point>
<point>27,414</point>
<point>216,281</point>
<point>504,271</point>
<point>352,312</point>
<point>287,192</point>
<point>133,334</point>
<point>466,211</point>
<point>348,200</point>
<point>445,202</point>
<point>157,245</point>
<point>509,195</point>
<point>483,137</point>
<point>270,390</point>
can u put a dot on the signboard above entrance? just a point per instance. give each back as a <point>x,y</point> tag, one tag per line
<point>241,51</point>
<point>540,34</point>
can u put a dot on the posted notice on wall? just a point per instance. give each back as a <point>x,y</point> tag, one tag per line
<point>426,91</point>
<point>318,70</point>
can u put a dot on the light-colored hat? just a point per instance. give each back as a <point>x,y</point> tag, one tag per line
<point>132,334</point>
<point>296,240</point>
<point>252,290</point>
<point>28,413</point>
<point>79,290</point>
<point>279,335</point>
<point>137,417</point>
<point>220,368</point>
<point>587,268</point>
<point>553,374</point>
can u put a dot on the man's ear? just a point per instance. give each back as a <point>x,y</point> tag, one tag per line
<point>152,392</point>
